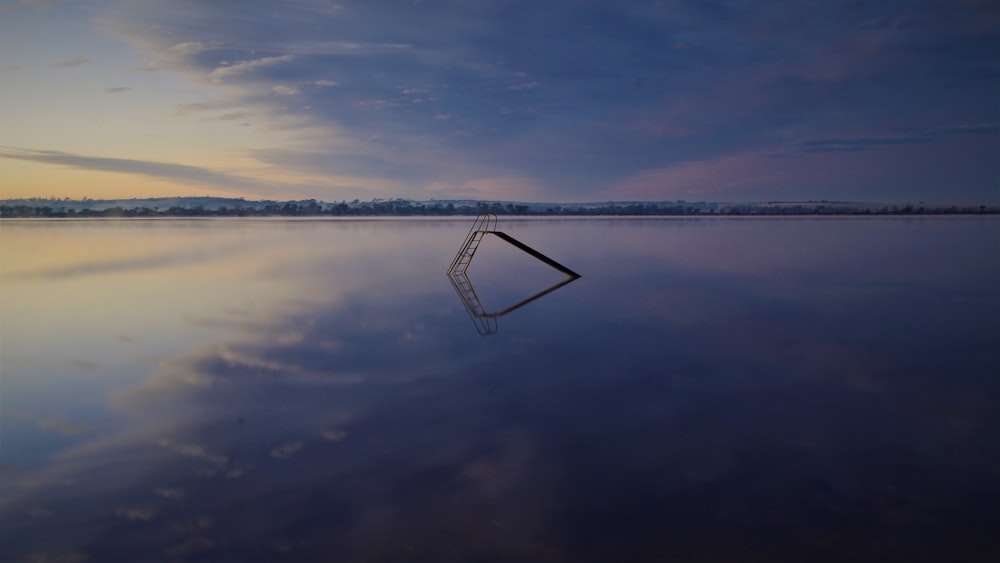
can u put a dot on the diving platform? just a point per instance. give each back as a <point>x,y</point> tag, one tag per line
<point>486,321</point>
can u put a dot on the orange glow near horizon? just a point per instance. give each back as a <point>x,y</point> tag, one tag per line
<point>31,180</point>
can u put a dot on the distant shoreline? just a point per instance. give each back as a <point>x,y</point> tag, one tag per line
<point>238,207</point>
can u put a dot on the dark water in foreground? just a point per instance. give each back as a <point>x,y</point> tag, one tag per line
<point>708,390</point>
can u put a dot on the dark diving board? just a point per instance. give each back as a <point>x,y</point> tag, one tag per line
<point>536,254</point>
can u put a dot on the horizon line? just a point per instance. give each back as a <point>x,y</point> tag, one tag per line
<point>87,199</point>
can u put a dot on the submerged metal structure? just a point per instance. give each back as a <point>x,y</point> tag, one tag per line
<point>486,321</point>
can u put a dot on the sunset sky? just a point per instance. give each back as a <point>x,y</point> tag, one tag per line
<point>540,100</point>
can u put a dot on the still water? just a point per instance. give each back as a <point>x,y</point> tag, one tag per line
<point>709,389</point>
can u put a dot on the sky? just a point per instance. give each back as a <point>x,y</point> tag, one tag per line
<point>540,100</point>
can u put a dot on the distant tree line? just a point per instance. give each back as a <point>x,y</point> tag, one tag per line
<point>406,208</point>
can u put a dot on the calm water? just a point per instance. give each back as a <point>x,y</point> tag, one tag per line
<point>709,390</point>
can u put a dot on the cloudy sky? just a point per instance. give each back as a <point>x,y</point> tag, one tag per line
<point>540,100</point>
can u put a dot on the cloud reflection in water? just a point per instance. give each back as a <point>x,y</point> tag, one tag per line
<point>699,395</point>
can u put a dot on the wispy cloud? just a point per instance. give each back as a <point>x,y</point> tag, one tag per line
<point>195,451</point>
<point>168,493</point>
<point>343,48</point>
<point>59,556</point>
<point>73,62</point>
<point>176,56</point>
<point>117,89</point>
<point>286,451</point>
<point>165,170</point>
<point>334,435</point>
<point>188,48</point>
<point>244,67</point>
<point>284,89</point>
<point>63,426</point>
<point>195,107</point>
<point>191,545</point>
<point>523,86</point>
<point>134,514</point>
<point>98,267</point>
<point>977,128</point>
<point>854,144</point>
<point>92,367</point>
<point>235,116</point>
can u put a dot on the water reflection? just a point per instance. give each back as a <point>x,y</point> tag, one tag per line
<point>730,390</point>
<point>485,320</point>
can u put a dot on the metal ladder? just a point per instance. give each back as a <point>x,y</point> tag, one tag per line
<point>486,323</point>
<point>485,223</point>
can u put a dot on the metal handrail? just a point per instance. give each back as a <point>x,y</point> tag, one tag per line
<point>480,227</point>
<point>486,322</point>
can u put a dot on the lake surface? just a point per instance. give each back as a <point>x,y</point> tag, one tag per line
<point>798,389</point>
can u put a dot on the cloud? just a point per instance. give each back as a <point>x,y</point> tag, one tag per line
<point>177,56</point>
<point>286,451</point>
<point>245,67</point>
<point>164,170</point>
<point>191,545</point>
<point>189,48</point>
<point>134,514</point>
<point>284,89</point>
<point>231,109</point>
<point>523,86</point>
<point>193,107</point>
<point>195,451</point>
<point>580,98</point>
<point>699,179</point>
<point>99,267</point>
<point>851,144</point>
<point>40,3</point>
<point>978,128</point>
<point>117,89</point>
<point>92,367</point>
<point>63,426</point>
<point>59,556</point>
<point>334,435</point>
<point>168,493</point>
<point>235,116</point>
<point>73,62</point>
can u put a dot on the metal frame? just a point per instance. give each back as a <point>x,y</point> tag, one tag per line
<point>485,223</point>
<point>486,322</point>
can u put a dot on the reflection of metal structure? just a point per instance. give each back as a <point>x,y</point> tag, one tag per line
<point>486,322</point>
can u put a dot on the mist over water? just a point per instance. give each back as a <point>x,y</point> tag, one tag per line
<point>709,389</point>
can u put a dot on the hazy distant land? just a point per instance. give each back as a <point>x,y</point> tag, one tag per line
<point>239,207</point>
